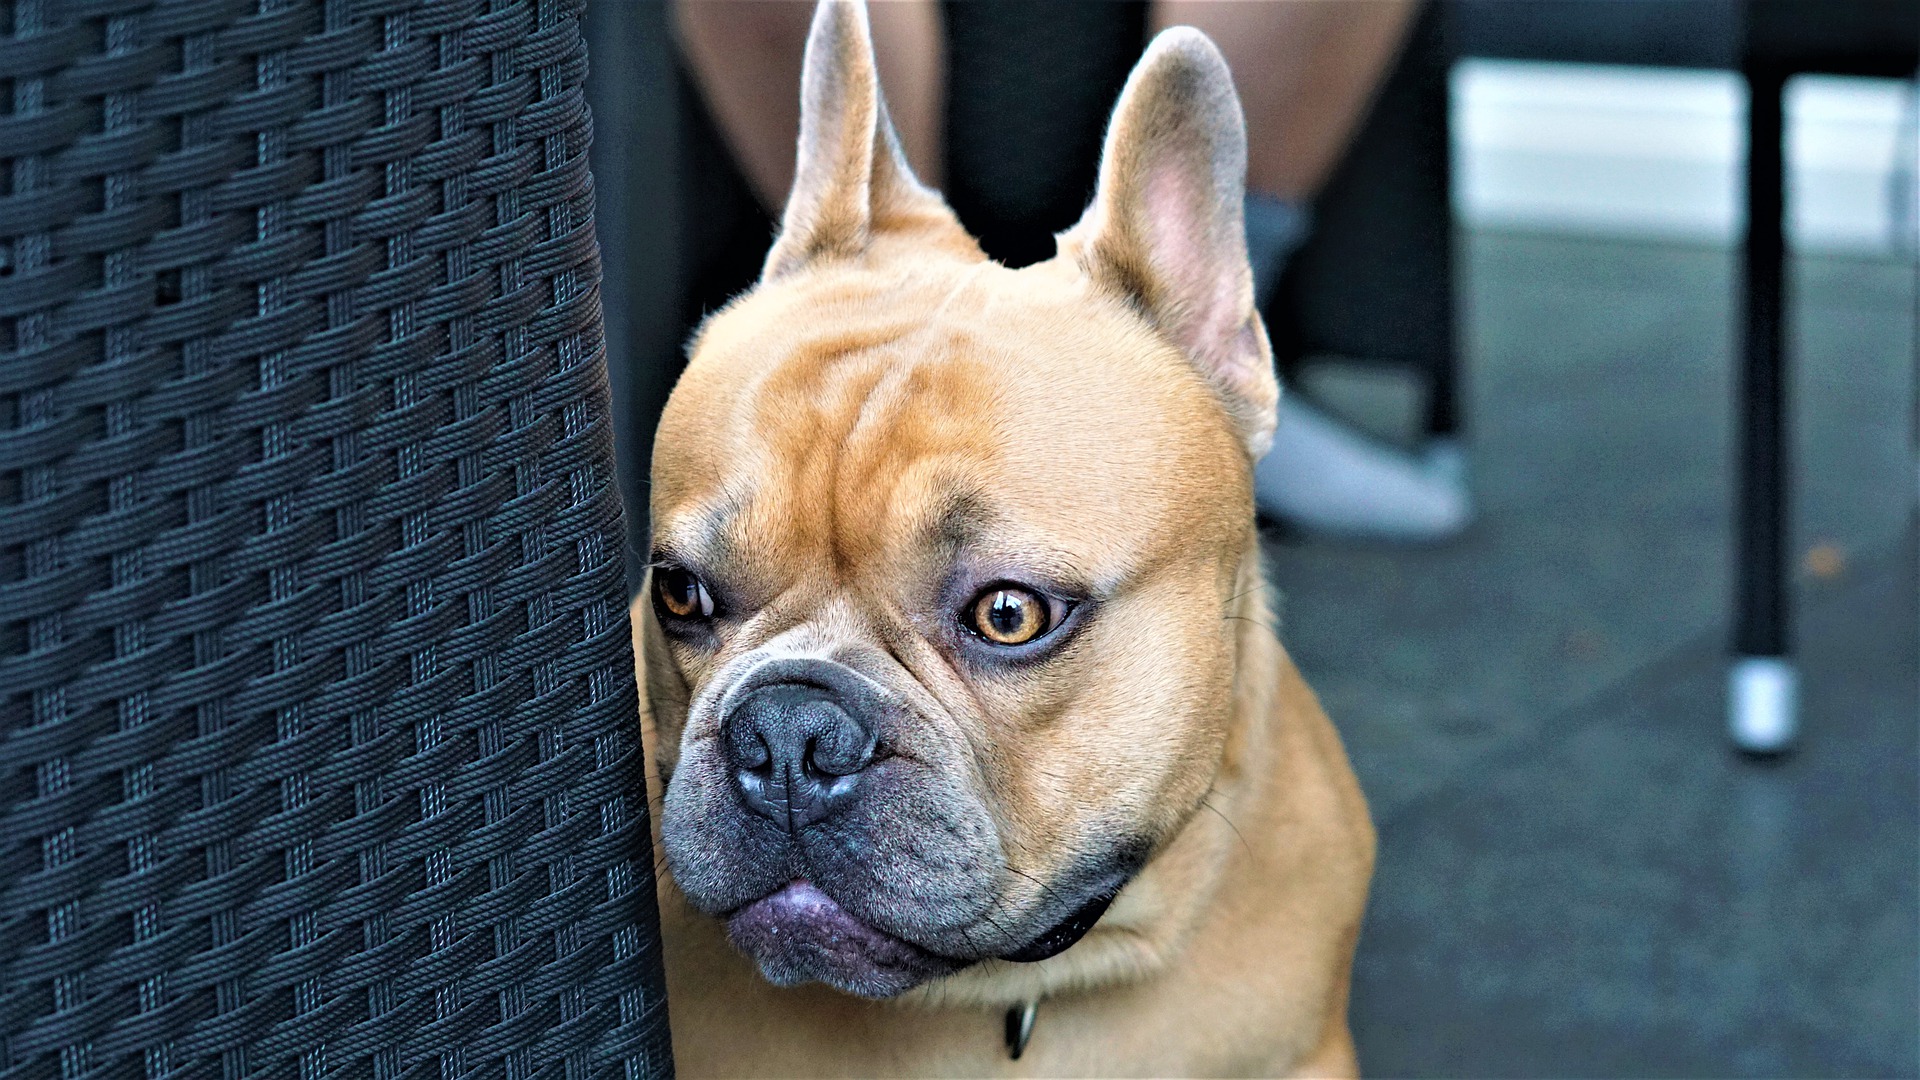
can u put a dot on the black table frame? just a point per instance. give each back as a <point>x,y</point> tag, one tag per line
<point>1783,38</point>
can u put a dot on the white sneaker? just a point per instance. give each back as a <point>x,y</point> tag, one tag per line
<point>1326,478</point>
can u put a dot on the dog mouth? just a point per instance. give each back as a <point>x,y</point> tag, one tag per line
<point>799,934</point>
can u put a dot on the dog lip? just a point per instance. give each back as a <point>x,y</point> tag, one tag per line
<point>798,933</point>
<point>1063,934</point>
<point>804,898</point>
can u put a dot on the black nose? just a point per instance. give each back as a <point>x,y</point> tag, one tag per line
<point>796,753</point>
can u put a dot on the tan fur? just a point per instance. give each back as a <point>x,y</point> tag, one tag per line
<point>884,380</point>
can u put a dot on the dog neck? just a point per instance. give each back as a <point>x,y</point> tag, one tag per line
<point>1161,907</point>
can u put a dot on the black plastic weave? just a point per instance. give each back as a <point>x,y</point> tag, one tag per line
<point>316,690</point>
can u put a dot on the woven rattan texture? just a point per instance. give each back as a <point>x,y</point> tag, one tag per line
<point>315,682</point>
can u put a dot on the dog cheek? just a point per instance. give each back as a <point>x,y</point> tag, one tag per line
<point>720,858</point>
<point>919,856</point>
<point>1144,745</point>
<point>666,688</point>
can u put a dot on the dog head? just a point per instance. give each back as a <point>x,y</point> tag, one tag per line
<point>939,647</point>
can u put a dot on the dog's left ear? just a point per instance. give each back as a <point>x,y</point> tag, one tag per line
<point>1165,228</point>
<point>851,183</point>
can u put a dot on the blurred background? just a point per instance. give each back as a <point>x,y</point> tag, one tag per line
<point>1530,248</point>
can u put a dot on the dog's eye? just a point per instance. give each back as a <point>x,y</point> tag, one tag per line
<point>681,594</point>
<point>1008,615</point>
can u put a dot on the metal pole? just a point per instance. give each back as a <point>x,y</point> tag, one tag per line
<point>1763,684</point>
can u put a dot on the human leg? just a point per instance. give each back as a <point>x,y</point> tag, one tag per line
<point>745,55</point>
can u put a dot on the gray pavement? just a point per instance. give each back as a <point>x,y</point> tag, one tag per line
<point>1577,877</point>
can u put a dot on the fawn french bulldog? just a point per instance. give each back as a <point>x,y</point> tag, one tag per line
<point>980,755</point>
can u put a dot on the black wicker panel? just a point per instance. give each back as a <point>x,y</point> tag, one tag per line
<point>315,683</point>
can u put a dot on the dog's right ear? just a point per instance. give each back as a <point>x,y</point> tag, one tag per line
<point>1165,229</point>
<point>851,185</point>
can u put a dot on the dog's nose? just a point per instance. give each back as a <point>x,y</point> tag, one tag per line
<point>796,752</point>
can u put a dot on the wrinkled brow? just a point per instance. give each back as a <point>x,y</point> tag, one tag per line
<point>957,520</point>
<point>703,536</point>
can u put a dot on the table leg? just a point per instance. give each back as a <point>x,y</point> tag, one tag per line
<point>1763,683</point>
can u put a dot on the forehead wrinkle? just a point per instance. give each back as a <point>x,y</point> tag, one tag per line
<point>845,414</point>
<point>801,412</point>
<point>703,532</point>
<point>959,519</point>
<point>894,455</point>
<point>967,278</point>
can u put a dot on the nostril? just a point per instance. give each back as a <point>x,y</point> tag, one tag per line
<point>758,757</point>
<point>752,784</point>
<point>747,746</point>
<point>844,754</point>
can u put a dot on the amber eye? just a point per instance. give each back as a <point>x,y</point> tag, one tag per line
<point>681,594</point>
<point>1008,615</point>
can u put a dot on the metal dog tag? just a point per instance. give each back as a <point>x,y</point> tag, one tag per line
<point>1020,1028</point>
